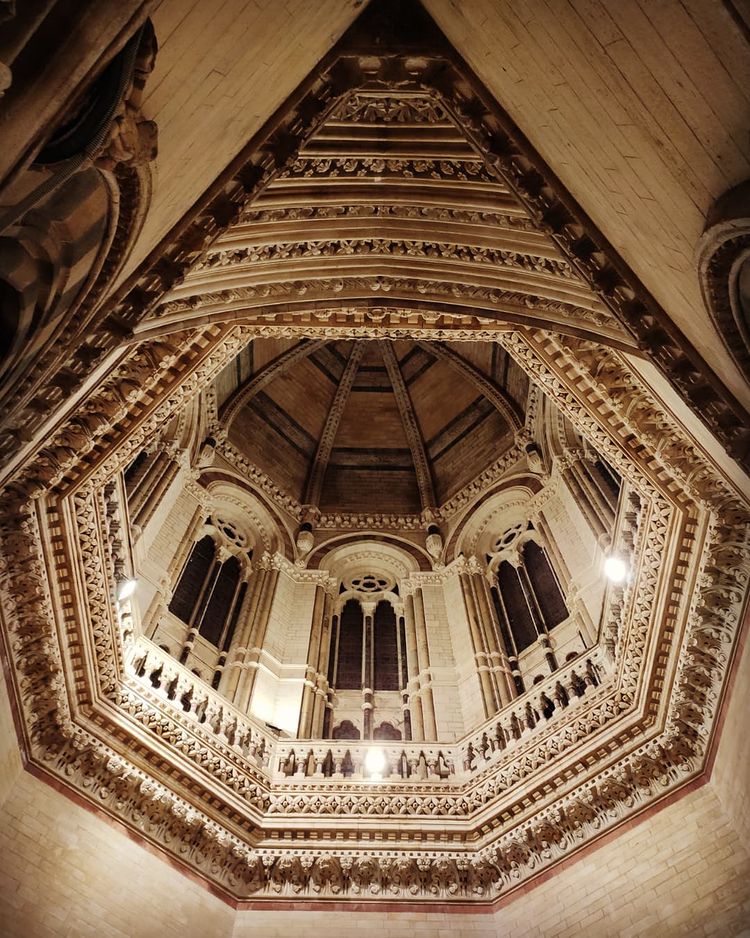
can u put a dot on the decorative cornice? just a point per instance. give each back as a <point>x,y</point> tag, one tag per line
<point>693,541</point>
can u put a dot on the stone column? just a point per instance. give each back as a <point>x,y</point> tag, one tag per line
<point>311,675</point>
<point>507,635</point>
<point>403,670</point>
<point>183,552</point>
<point>536,616</point>
<point>583,471</point>
<point>368,668</point>
<point>322,687</point>
<point>559,566</point>
<point>149,492</point>
<point>579,494</point>
<point>423,656</point>
<point>481,658</point>
<point>258,634</point>
<point>498,658</point>
<point>226,635</point>
<point>200,608</point>
<point>417,719</point>
<point>233,677</point>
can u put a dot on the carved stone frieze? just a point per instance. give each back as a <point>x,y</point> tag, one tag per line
<point>65,498</point>
<point>470,254</point>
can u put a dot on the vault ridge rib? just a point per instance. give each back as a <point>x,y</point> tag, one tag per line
<point>411,427</point>
<point>261,379</point>
<point>494,394</point>
<point>325,444</point>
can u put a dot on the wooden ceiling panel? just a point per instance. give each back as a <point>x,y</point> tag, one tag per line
<point>371,420</point>
<point>484,442</point>
<point>266,440</point>
<point>370,490</point>
<point>266,350</point>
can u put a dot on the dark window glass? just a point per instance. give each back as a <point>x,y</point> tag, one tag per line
<point>188,589</point>
<point>235,616</point>
<point>519,617</point>
<point>385,648</point>
<point>220,602</point>
<point>349,673</point>
<point>543,582</point>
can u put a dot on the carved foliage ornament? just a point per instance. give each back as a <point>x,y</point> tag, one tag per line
<point>430,67</point>
<point>692,513</point>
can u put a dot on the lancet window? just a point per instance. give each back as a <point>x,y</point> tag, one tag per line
<point>367,655</point>
<point>525,590</point>
<point>210,591</point>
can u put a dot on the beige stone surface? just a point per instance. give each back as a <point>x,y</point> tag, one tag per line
<point>641,110</point>
<point>10,756</point>
<point>731,777</point>
<point>65,872</point>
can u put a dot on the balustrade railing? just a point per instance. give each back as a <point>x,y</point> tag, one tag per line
<point>285,759</point>
<point>168,679</point>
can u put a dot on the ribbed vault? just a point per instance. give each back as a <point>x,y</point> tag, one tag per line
<point>383,426</point>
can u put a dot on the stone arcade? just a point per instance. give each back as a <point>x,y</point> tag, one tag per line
<point>373,541</point>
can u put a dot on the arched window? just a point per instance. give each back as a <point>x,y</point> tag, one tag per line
<point>544,584</point>
<point>345,730</point>
<point>385,648</point>
<point>193,580</point>
<point>386,731</point>
<point>349,671</point>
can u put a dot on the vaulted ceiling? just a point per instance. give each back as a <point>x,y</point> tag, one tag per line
<point>389,201</point>
<point>371,426</point>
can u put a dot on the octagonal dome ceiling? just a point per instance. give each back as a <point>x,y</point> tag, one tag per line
<point>381,426</point>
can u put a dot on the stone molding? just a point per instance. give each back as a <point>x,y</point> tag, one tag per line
<point>80,714</point>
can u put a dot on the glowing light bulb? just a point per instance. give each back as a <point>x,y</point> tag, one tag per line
<point>615,569</point>
<point>375,762</point>
<point>126,589</point>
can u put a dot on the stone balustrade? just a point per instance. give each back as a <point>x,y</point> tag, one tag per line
<point>284,759</point>
<point>168,679</point>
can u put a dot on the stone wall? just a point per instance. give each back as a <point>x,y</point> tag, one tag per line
<point>681,871</point>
